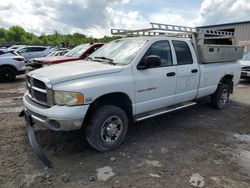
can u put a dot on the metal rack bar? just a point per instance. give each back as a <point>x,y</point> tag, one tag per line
<point>141,32</point>
<point>177,28</point>
<point>162,29</point>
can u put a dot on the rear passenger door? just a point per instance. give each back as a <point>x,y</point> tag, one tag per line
<point>187,72</point>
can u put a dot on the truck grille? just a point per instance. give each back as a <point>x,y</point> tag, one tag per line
<point>38,91</point>
<point>245,68</point>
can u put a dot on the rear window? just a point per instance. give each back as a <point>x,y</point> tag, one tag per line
<point>183,53</point>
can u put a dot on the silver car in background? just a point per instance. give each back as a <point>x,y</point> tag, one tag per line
<point>245,66</point>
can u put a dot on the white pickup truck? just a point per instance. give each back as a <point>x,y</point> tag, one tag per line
<point>126,80</point>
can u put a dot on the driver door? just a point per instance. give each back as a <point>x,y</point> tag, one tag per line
<point>155,87</point>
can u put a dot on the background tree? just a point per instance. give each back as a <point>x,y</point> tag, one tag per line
<point>17,35</point>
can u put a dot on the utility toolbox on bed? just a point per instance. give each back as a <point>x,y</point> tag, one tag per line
<point>219,53</point>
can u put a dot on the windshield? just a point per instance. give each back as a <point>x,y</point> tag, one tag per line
<point>51,54</point>
<point>77,51</point>
<point>120,51</point>
<point>246,57</point>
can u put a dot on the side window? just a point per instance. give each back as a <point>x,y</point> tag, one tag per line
<point>163,50</point>
<point>24,50</point>
<point>183,53</point>
<point>37,49</point>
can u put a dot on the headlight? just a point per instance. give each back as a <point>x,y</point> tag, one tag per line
<point>68,98</point>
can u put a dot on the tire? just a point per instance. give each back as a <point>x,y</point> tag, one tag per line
<point>107,128</point>
<point>7,74</point>
<point>220,98</point>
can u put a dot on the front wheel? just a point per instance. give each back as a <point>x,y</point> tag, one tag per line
<point>107,128</point>
<point>7,74</point>
<point>220,98</point>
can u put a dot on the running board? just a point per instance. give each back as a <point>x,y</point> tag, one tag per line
<point>154,113</point>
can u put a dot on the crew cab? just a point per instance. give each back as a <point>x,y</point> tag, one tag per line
<point>77,53</point>
<point>129,79</point>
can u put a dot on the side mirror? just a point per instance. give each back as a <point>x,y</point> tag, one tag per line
<point>150,62</point>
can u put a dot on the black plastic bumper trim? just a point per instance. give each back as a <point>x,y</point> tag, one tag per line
<point>32,139</point>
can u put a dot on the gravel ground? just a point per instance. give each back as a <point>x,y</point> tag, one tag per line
<point>198,146</point>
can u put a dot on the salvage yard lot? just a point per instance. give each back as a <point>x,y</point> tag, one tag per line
<point>161,152</point>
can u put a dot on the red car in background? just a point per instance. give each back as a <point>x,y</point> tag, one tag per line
<point>79,52</point>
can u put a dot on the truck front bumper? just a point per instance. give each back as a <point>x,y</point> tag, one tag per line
<point>57,118</point>
<point>245,74</point>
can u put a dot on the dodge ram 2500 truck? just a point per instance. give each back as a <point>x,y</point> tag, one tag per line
<point>129,79</point>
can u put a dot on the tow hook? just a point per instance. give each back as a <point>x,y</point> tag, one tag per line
<point>32,139</point>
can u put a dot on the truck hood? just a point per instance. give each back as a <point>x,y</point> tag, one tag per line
<point>74,70</point>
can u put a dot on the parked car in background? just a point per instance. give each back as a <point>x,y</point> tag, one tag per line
<point>29,52</point>
<point>11,64</point>
<point>15,47</point>
<point>245,66</point>
<point>77,53</point>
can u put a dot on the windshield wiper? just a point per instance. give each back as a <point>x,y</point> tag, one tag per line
<point>108,60</point>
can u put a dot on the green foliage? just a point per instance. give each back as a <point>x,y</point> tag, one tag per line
<point>17,35</point>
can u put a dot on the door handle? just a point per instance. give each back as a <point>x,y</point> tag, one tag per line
<point>194,70</point>
<point>171,74</point>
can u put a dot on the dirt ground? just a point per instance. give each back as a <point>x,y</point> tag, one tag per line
<point>197,143</point>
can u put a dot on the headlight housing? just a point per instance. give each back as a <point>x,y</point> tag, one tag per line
<point>68,98</point>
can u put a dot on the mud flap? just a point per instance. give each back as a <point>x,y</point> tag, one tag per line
<point>32,139</point>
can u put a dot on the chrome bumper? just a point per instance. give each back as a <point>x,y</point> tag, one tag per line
<point>57,118</point>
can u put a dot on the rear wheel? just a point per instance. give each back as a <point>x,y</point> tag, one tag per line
<point>220,98</point>
<point>7,74</point>
<point>107,128</point>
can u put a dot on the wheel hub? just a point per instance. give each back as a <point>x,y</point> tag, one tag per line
<point>224,96</point>
<point>111,129</point>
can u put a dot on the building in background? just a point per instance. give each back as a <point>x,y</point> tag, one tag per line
<point>241,30</point>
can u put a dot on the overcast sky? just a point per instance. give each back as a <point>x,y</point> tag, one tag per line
<point>96,17</point>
